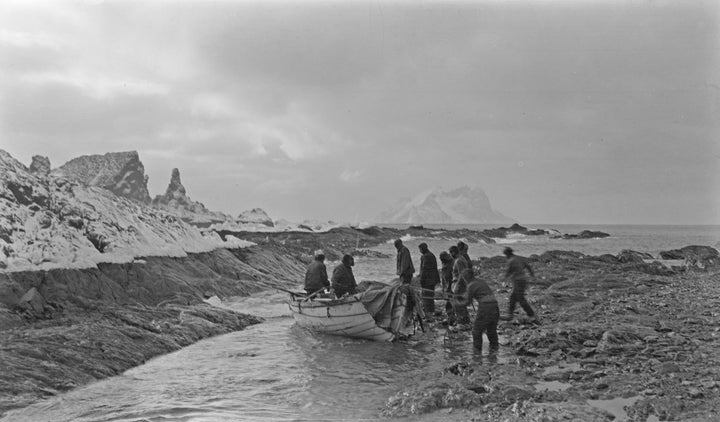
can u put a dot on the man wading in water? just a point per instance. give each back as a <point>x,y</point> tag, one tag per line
<point>516,271</point>
<point>488,313</point>
<point>429,278</point>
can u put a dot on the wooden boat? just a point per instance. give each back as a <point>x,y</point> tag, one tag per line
<point>372,315</point>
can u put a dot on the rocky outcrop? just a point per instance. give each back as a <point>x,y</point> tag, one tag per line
<point>585,234</point>
<point>53,222</point>
<point>627,255</point>
<point>255,216</point>
<point>40,165</point>
<point>503,232</point>
<point>699,257</point>
<point>122,173</point>
<point>176,201</point>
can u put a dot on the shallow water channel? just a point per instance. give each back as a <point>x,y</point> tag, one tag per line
<point>271,371</point>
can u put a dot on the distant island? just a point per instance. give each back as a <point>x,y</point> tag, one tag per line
<point>464,205</point>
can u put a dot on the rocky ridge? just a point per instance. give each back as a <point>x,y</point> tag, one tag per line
<point>122,173</point>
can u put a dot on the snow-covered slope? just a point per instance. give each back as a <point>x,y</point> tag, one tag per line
<point>463,205</point>
<point>52,222</point>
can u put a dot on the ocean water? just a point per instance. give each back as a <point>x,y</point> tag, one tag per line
<point>642,238</point>
<point>277,371</point>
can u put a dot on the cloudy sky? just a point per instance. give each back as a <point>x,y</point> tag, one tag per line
<point>562,111</point>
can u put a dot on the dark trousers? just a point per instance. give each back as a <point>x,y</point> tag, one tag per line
<point>462,315</point>
<point>486,321</point>
<point>406,278</point>
<point>518,296</point>
<point>428,297</point>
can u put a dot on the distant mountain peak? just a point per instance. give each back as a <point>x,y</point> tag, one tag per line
<point>462,205</point>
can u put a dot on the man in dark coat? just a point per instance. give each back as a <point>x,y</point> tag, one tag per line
<point>405,268</point>
<point>517,271</point>
<point>429,278</point>
<point>316,277</point>
<point>463,250</point>
<point>343,280</point>
<point>488,312</point>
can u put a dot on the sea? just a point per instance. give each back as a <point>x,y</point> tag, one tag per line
<point>277,371</point>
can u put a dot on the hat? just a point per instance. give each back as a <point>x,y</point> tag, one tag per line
<point>508,251</point>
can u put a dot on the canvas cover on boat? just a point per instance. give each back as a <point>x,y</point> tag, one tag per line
<point>389,304</point>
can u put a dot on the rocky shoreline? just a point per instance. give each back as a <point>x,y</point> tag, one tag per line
<point>620,340</point>
<point>614,327</point>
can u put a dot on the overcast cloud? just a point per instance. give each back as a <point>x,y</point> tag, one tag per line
<point>563,112</point>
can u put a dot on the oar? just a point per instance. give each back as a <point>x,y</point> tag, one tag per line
<point>314,294</point>
<point>292,293</point>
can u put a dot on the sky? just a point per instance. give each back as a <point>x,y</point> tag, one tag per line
<point>564,112</point>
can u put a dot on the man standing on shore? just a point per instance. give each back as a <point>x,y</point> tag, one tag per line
<point>405,268</point>
<point>463,250</point>
<point>316,277</point>
<point>429,278</point>
<point>459,287</point>
<point>516,272</point>
<point>343,279</point>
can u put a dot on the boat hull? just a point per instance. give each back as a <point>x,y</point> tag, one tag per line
<point>347,317</point>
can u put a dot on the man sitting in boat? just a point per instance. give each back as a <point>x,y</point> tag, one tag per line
<point>343,280</point>
<point>316,277</point>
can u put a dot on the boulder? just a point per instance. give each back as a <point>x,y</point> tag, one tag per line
<point>40,165</point>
